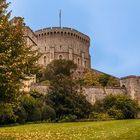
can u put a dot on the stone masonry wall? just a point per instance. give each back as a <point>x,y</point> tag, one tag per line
<point>132,85</point>
<point>92,94</point>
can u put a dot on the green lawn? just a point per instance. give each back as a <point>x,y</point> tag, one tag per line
<point>109,130</point>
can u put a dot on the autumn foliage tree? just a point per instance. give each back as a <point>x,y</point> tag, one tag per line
<point>17,60</point>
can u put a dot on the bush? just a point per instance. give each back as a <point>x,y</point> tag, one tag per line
<point>36,115</point>
<point>7,115</point>
<point>99,116</point>
<point>21,114</point>
<point>36,94</point>
<point>48,113</point>
<point>32,108</point>
<point>118,106</point>
<point>129,107</point>
<point>116,113</point>
<point>68,118</point>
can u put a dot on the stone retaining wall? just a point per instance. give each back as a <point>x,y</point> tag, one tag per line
<point>92,94</point>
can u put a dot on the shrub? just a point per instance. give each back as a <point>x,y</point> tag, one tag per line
<point>129,107</point>
<point>36,115</point>
<point>36,94</point>
<point>32,108</point>
<point>48,113</point>
<point>99,116</point>
<point>68,118</point>
<point>116,113</point>
<point>118,106</point>
<point>7,114</point>
<point>21,114</point>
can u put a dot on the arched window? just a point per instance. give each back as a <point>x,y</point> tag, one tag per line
<point>45,49</point>
<point>123,86</point>
<point>85,63</point>
<point>60,57</point>
<point>45,60</point>
<point>78,61</point>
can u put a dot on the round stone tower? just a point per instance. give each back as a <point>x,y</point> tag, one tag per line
<point>63,43</point>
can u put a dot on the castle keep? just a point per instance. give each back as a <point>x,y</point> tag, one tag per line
<point>61,43</point>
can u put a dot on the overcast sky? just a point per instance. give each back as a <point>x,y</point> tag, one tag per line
<point>112,25</point>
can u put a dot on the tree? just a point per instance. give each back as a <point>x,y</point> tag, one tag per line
<point>106,80</point>
<point>64,94</point>
<point>118,106</point>
<point>7,114</point>
<point>59,67</point>
<point>89,78</point>
<point>17,60</point>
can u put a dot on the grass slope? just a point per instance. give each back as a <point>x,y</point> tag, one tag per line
<point>109,130</point>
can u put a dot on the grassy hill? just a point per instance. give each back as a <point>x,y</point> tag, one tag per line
<point>109,130</point>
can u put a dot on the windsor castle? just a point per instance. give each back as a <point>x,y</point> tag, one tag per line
<point>66,43</point>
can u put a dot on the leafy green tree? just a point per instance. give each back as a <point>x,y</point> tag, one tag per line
<point>21,114</point>
<point>17,59</point>
<point>89,78</point>
<point>48,113</point>
<point>7,114</point>
<point>64,95</point>
<point>104,79</point>
<point>58,68</point>
<point>32,107</point>
<point>107,80</point>
<point>118,106</point>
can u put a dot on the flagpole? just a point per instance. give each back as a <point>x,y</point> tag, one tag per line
<point>60,16</point>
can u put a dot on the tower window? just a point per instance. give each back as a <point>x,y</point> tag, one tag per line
<point>45,58</point>
<point>78,61</point>
<point>60,57</point>
<point>85,63</point>
<point>45,49</point>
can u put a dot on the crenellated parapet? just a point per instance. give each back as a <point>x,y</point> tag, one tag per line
<point>64,31</point>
